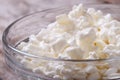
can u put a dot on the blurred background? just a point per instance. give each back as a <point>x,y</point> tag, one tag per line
<point>10,10</point>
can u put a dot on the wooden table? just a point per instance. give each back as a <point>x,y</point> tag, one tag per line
<point>10,10</point>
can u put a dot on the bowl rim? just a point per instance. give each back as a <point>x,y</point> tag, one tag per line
<point>7,46</point>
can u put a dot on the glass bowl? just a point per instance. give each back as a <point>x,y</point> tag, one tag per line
<point>30,24</point>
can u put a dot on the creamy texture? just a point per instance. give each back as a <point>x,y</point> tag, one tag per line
<point>80,34</point>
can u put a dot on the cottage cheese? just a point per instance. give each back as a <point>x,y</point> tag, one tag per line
<point>80,34</point>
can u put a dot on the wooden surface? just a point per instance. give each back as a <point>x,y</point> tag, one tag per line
<point>10,10</point>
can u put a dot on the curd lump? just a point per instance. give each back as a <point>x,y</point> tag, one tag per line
<point>80,34</point>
